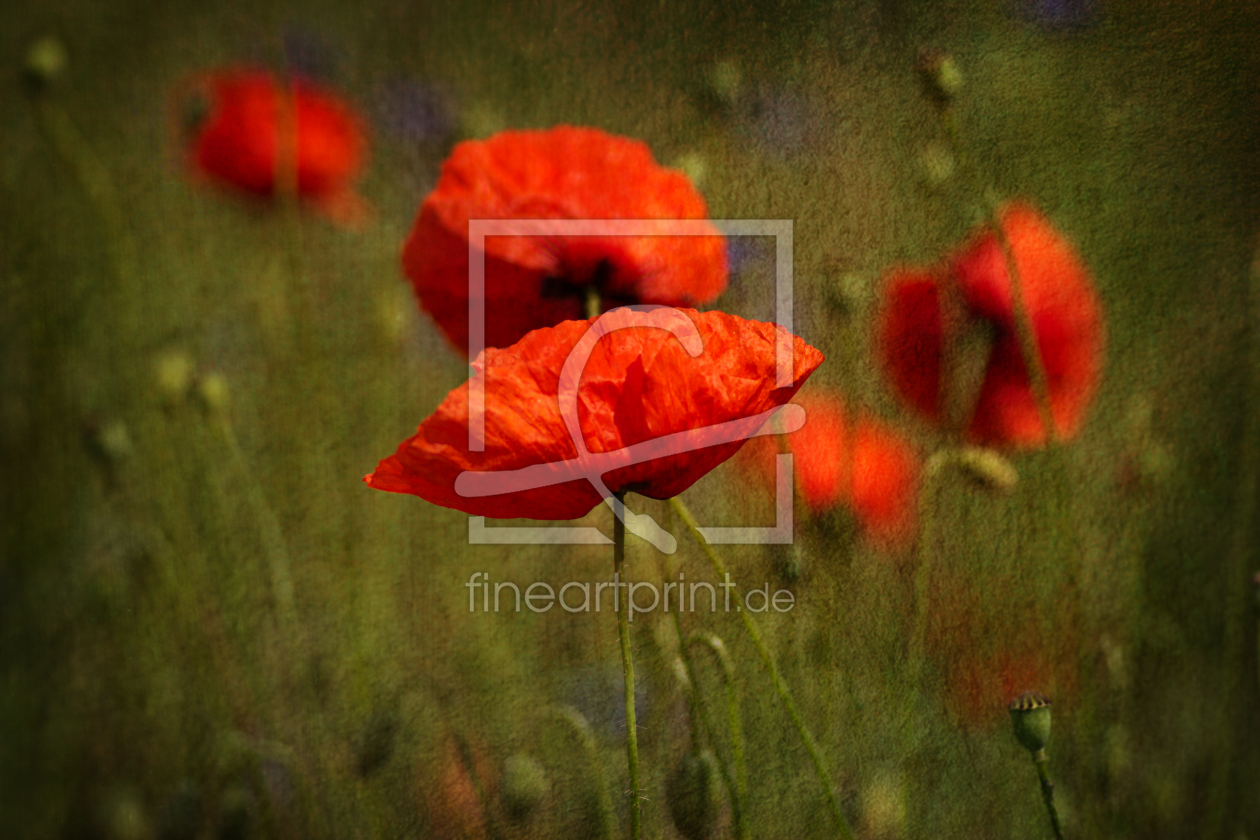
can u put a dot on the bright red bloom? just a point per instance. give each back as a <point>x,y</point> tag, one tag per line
<point>1066,317</point>
<point>562,173</point>
<point>842,461</point>
<point>638,386</point>
<point>236,142</point>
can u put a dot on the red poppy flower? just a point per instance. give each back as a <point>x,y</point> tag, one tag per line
<point>562,173</point>
<point>653,418</point>
<point>842,461</point>
<point>1062,305</point>
<point>236,140</point>
<point>987,658</point>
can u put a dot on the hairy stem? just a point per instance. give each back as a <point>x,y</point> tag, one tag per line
<point>627,667</point>
<point>780,687</point>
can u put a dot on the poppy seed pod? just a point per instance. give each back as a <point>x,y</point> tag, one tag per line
<point>694,795</point>
<point>1030,716</point>
<point>524,786</point>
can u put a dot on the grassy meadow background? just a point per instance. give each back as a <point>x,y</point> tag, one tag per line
<point>210,628</point>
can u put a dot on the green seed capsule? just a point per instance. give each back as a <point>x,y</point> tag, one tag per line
<point>1030,716</point>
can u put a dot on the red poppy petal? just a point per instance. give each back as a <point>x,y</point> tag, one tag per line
<point>1067,322</point>
<point>237,143</point>
<point>532,282</point>
<point>639,384</point>
<point>864,465</point>
<point>885,484</point>
<point>910,338</point>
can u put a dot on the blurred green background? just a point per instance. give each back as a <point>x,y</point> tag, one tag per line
<point>209,627</point>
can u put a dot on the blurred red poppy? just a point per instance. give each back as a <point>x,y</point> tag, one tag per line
<point>1063,307</point>
<point>236,138</point>
<point>989,651</point>
<point>640,389</point>
<point>841,460</point>
<point>532,282</point>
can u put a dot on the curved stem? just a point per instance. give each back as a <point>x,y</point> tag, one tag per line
<point>582,728</point>
<point>1047,791</point>
<point>715,644</point>
<point>780,687</point>
<point>932,469</point>
<point>1023,321</point>
<point>627,667</point>
<point>734,782</point>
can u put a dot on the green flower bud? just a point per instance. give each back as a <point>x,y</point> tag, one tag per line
<point>941,75</point>
<point>1030,716</point>
<point>214,392</point>
<point>45,61</point>
<point>987,469</point>
<point>525,786</point>
<point>376,743</point>
<point>173,374</point>
<point>694,795</point>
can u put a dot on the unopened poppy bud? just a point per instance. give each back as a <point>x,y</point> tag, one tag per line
<point>987,469</point>
<point>848,293</point>
<point>694,795</point>
<point>937,164</point>
<point>45,61</point>
<point>111,441</point>
<point>525,786</point>
<point>941,75</point>
<point>213,390</point>
<point>1030,716</point>
<point>481,120</point>
<point>726,81</point>
<point>173,373</point>
<point>693,165</point>
<point>122,815</point>
<point>376,743</point>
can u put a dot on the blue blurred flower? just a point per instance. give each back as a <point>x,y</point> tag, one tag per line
<point>416,111</point>
<point>597,691</point>
<point>1057,14</point>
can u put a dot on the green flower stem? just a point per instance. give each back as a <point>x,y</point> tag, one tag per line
<point>582,728</point>
<point>1240,590</point>
<point>98,185</point>
<point>1023,321</point>
<point>274,547</point>
<point>717,646</point>
<point>592,302</point>
<point>1047,791</point>
<point>767,658</point>
<point>932,470</point>
<point>699,711</point>
<point>627,669</point>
